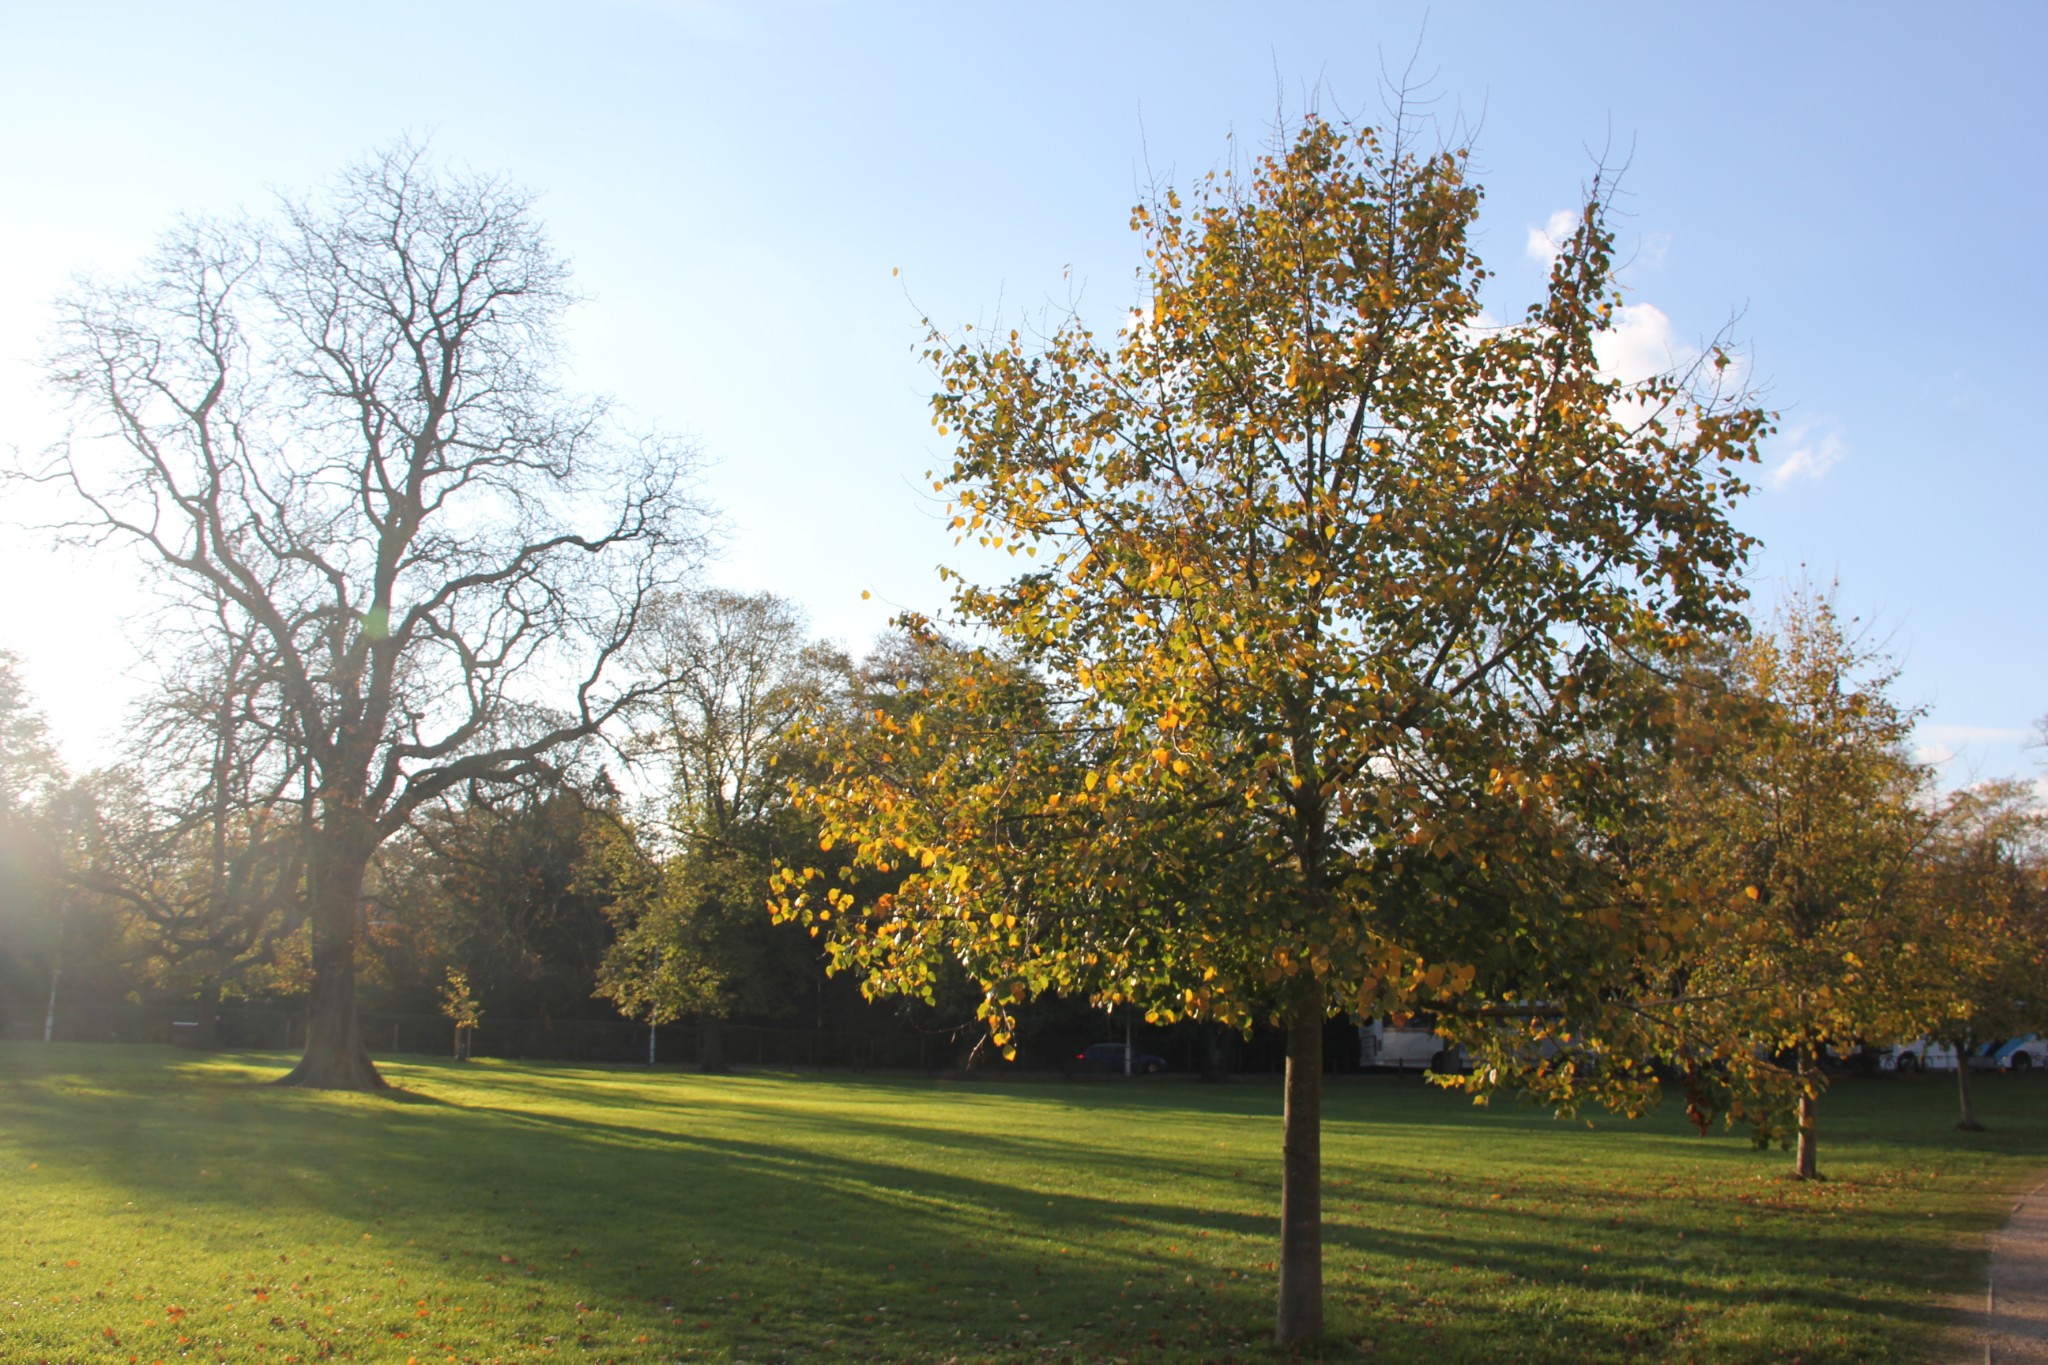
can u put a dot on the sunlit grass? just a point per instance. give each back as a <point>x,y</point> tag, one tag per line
<point>162,1206</point>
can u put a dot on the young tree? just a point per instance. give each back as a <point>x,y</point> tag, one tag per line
<point>1801,824</point>
<point>1330,567</point>
<point>345,425</point>
<point>1981,900</point>
<point>460,1004</point>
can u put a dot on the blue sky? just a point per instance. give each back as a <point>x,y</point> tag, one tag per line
<point>1857,191</point>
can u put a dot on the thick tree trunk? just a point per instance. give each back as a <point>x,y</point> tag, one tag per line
<point>336,1057</point>
<point>1300,1314</point>
<point>711,1055</point>
<point>209,1014</point>
<point>1806,1154</point>
<point>1968,1122</point>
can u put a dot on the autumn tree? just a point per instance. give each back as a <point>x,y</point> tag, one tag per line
<point>345,423</point>
<point>1327,565</point>
<point>1983,901</point>
<point>463,1010</point>
<point>1799,825</point>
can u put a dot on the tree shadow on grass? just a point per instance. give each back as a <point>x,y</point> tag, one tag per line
<point>778,1221</point>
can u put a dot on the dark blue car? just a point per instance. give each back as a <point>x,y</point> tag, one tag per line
<point>1109,1057</point>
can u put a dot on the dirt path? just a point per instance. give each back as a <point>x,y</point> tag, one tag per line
<point>2016,1302</point>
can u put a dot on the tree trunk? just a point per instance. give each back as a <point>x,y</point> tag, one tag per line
<point>50,1013</point>
<point>1215,1054</point>
<point>1968,1122</point>
<point>56,971</point>
<point>711,1055</point>
<point>336,1057</point>
<point>1806,1157</point>
<point>1301,1173</point>
<point>209,1014</point>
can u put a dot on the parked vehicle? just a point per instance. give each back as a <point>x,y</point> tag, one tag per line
<point>1924,1054</point>
<point>1109,1057</point>
<point>2022,1054</point>
<point>1410,1047</point>
<point>1919,1055</point>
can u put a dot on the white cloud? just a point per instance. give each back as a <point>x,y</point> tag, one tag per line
<point>1970,734</point>
<point>1547,241</point>
<point>1812,453</point>
<point>1941,745</point>
<point>1641,343</point>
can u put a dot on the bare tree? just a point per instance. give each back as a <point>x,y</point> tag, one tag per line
<point>743,673</point>
<point>344,423</point>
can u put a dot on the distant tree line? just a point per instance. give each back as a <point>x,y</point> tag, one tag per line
<point>542,902</point>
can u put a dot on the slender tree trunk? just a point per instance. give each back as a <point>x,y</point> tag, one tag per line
<point>1806,1157</point>
<point>50,1013</point>
<point>1301,1173</point>
<point>336,1057</point>
<point>56,970</point>
<point>209,1014</point>
<point>711,1056</point>
<point>1968,1121</point>
<point>1215,1053</point>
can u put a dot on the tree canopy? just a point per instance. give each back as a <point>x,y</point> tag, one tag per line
<point>1331,568</point>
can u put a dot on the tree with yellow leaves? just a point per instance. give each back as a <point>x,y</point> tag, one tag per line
<point>463,1009</point>
<point>1982,893</point>
<point>1326,572</point>
<point>1801,828</point>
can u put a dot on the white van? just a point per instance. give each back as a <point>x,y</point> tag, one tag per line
<point>1412,1046</point>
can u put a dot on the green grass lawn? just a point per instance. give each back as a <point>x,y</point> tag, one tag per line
<point>162,1206</point>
